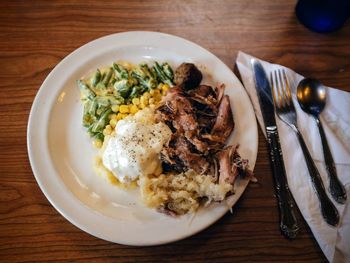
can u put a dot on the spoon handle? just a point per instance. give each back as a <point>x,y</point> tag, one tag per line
<point>336,188</point>
<point>328,209</point>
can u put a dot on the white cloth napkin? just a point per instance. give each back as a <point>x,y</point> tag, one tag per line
<point>334,241</point>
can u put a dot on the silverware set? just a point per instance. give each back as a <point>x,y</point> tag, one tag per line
<point>311,97</point>
<point>286,112</point>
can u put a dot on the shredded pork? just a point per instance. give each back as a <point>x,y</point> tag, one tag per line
<point>201,120</point>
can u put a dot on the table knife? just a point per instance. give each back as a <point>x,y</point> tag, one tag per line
<point>288,223</point>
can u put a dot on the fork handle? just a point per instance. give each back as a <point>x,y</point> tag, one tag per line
<point>335,186</point>
<point>288,223</point>
<point>328,210</point>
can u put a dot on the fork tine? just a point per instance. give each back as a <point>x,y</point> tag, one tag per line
<point>273,88</point>
<point>277,89</point>
<point>289,95</point>
<point>281,89</point>
<point>288,91</point>
<point>284,106</point>
<point>287,83</point>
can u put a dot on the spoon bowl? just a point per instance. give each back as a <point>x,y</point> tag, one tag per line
<point>311,96</point>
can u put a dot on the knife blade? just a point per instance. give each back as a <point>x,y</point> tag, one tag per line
<point>288,223</point>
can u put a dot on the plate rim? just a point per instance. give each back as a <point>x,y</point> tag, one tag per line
<point>31,134</point>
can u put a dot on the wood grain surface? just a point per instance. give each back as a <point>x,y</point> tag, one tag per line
<point>36,35</point>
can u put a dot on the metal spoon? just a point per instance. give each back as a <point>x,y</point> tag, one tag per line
<point>311,96</point>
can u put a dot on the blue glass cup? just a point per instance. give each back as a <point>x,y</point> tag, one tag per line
<point>323,15</point>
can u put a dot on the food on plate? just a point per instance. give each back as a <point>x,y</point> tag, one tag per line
<point>169,140</point>
<point>112,93</point>
<point>180,193</point>
<point>201,120</point>
<point>188,76</point>
<point>133,150</point>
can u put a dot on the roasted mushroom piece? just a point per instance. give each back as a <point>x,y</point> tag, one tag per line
<point>188,76</point>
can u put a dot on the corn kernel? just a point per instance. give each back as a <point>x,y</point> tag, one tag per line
<point>158,98</point>
<point>124,109</point>
<point>120,116</point>
<point>136,101</point>
<point>142,106</point>
<point>134,109</point>
<point>144,100</point>
<point>107,130</point>
<point>112,116</point>
<point>97,143</point>
<point>151,92</point>
<point>165,87</point>
<point>146,95</point>
<point>124,115</point>
<point>115,108</point>
<point>113,122</point>
<point>156,92</point>
<point>151,101</point>
<point>160,86</point>
<point>152,106</point>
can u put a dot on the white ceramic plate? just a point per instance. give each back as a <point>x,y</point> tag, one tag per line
<point>61,153</point>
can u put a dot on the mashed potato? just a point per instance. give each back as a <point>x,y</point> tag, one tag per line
<point>181,193</point>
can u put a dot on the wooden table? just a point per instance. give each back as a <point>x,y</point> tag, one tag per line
<point>36,35</point>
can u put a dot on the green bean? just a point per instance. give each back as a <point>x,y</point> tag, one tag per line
<point>168,71</point>
<point>153,72</point>
<point>103,102</point>
<point>136,91</point>
<point>133,81</point>
<point>137,71</point>
<point>123,86</point>
<point>146,70</point>
<point>100,124</point>
<point>148,83</point>
<point>118,99</point>
<point>113,80</point>
<point>85,91</point>
<point>88,120</point>
<point>107,77</point>
<point>120,72</point>
<point>96,78</point>
<point>102,90</point>
<point>110,100</point>
<point>99,136</point>
<point>89,113</point>
<point>161,75</point>
<point>144,77</point>
<point>91,106</point>
<point>89,130</point>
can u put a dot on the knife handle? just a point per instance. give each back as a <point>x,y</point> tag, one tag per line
<point>288,223</point>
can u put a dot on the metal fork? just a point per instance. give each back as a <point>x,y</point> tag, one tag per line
<point>286,112</point>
